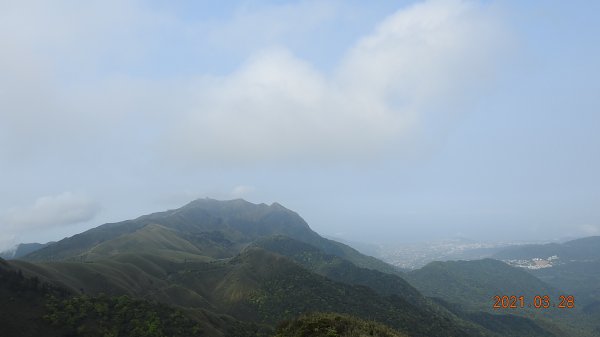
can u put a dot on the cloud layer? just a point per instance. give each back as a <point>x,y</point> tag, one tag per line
<point>113,97</point>
<point>51,211</point>
<point>88,91</point>
<point>419,61</point>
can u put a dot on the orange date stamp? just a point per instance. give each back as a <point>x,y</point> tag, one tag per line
<point>537,302</point>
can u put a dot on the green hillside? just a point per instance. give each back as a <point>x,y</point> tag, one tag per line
<point>505,324</point>
<point>247,266</point>
<point>472,286</point>
<point>331,325</point>
<point>338,269</point>
<point>386,284</point>
<point>583,249</point>
<point>256,286</point>
<point>212,228</point>
<point>581,278</point>
<point>280,288</point>
<point>576,271</point>
<point>475,283</point>
<point>23,303</point>
<point>33,307</point>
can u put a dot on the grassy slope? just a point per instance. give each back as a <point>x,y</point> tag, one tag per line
<point>577,271</point>
<point>505,324</point>
<point>267,287</point>
<point>213,228</point>
<point>386,284</point>
<point>338,269</point>
<point>164,256</point>
<point>473,284</point>
<point>28,300</point>
<point>579,278</point>
<point>241,289</point>
<point>256,286</point>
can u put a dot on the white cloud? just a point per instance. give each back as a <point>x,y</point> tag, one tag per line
<point>8,242</point>
<point>419,61</point>
<point>589,229</point>
<point>51,211</point>
<point>242,191</point>
<point>51,53</point>
<point>69,88</point>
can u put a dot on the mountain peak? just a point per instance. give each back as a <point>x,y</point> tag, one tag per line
<point>278,206</point>
<point>238,222</point>
<point>211,201</point>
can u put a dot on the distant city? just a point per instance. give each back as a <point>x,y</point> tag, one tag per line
<point>414,256</point>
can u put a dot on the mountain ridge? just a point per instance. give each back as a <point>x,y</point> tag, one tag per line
<point>237,222</point>
<point>255,263</point>
<point>587,248</point>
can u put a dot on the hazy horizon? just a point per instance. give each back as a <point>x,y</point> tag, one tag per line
<point>357,240</point>
<point>377,122</point>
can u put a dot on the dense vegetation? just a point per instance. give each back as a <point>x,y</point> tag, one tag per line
<point>257,286</point>
<point>333,325</point>
<point>338,269</point>
<point>22,303</point>
<point>505,324</point>
<point>576,272</point>
<point>118,316</point>
<point>289,290</point>
<point>31,307</point>
<point>474,284</point>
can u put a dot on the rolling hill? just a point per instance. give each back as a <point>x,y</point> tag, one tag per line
<point>153,257</point>
<point>34,307</point>
<point>255,286</point>
<point>338,269</point>
<point>584,249</point>
<point>242,265</point>
<point>22,249</point>
<point>575,268</point>
<point>472,285</point>
<point>475,283</point>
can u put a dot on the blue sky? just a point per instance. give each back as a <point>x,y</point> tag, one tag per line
<point>380,122</point>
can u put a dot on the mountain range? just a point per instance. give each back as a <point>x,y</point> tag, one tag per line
<point>233,268</point>
<point>573,266</point>
<point>22,249</point>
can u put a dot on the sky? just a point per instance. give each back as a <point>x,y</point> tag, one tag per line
<point>383,122</point>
